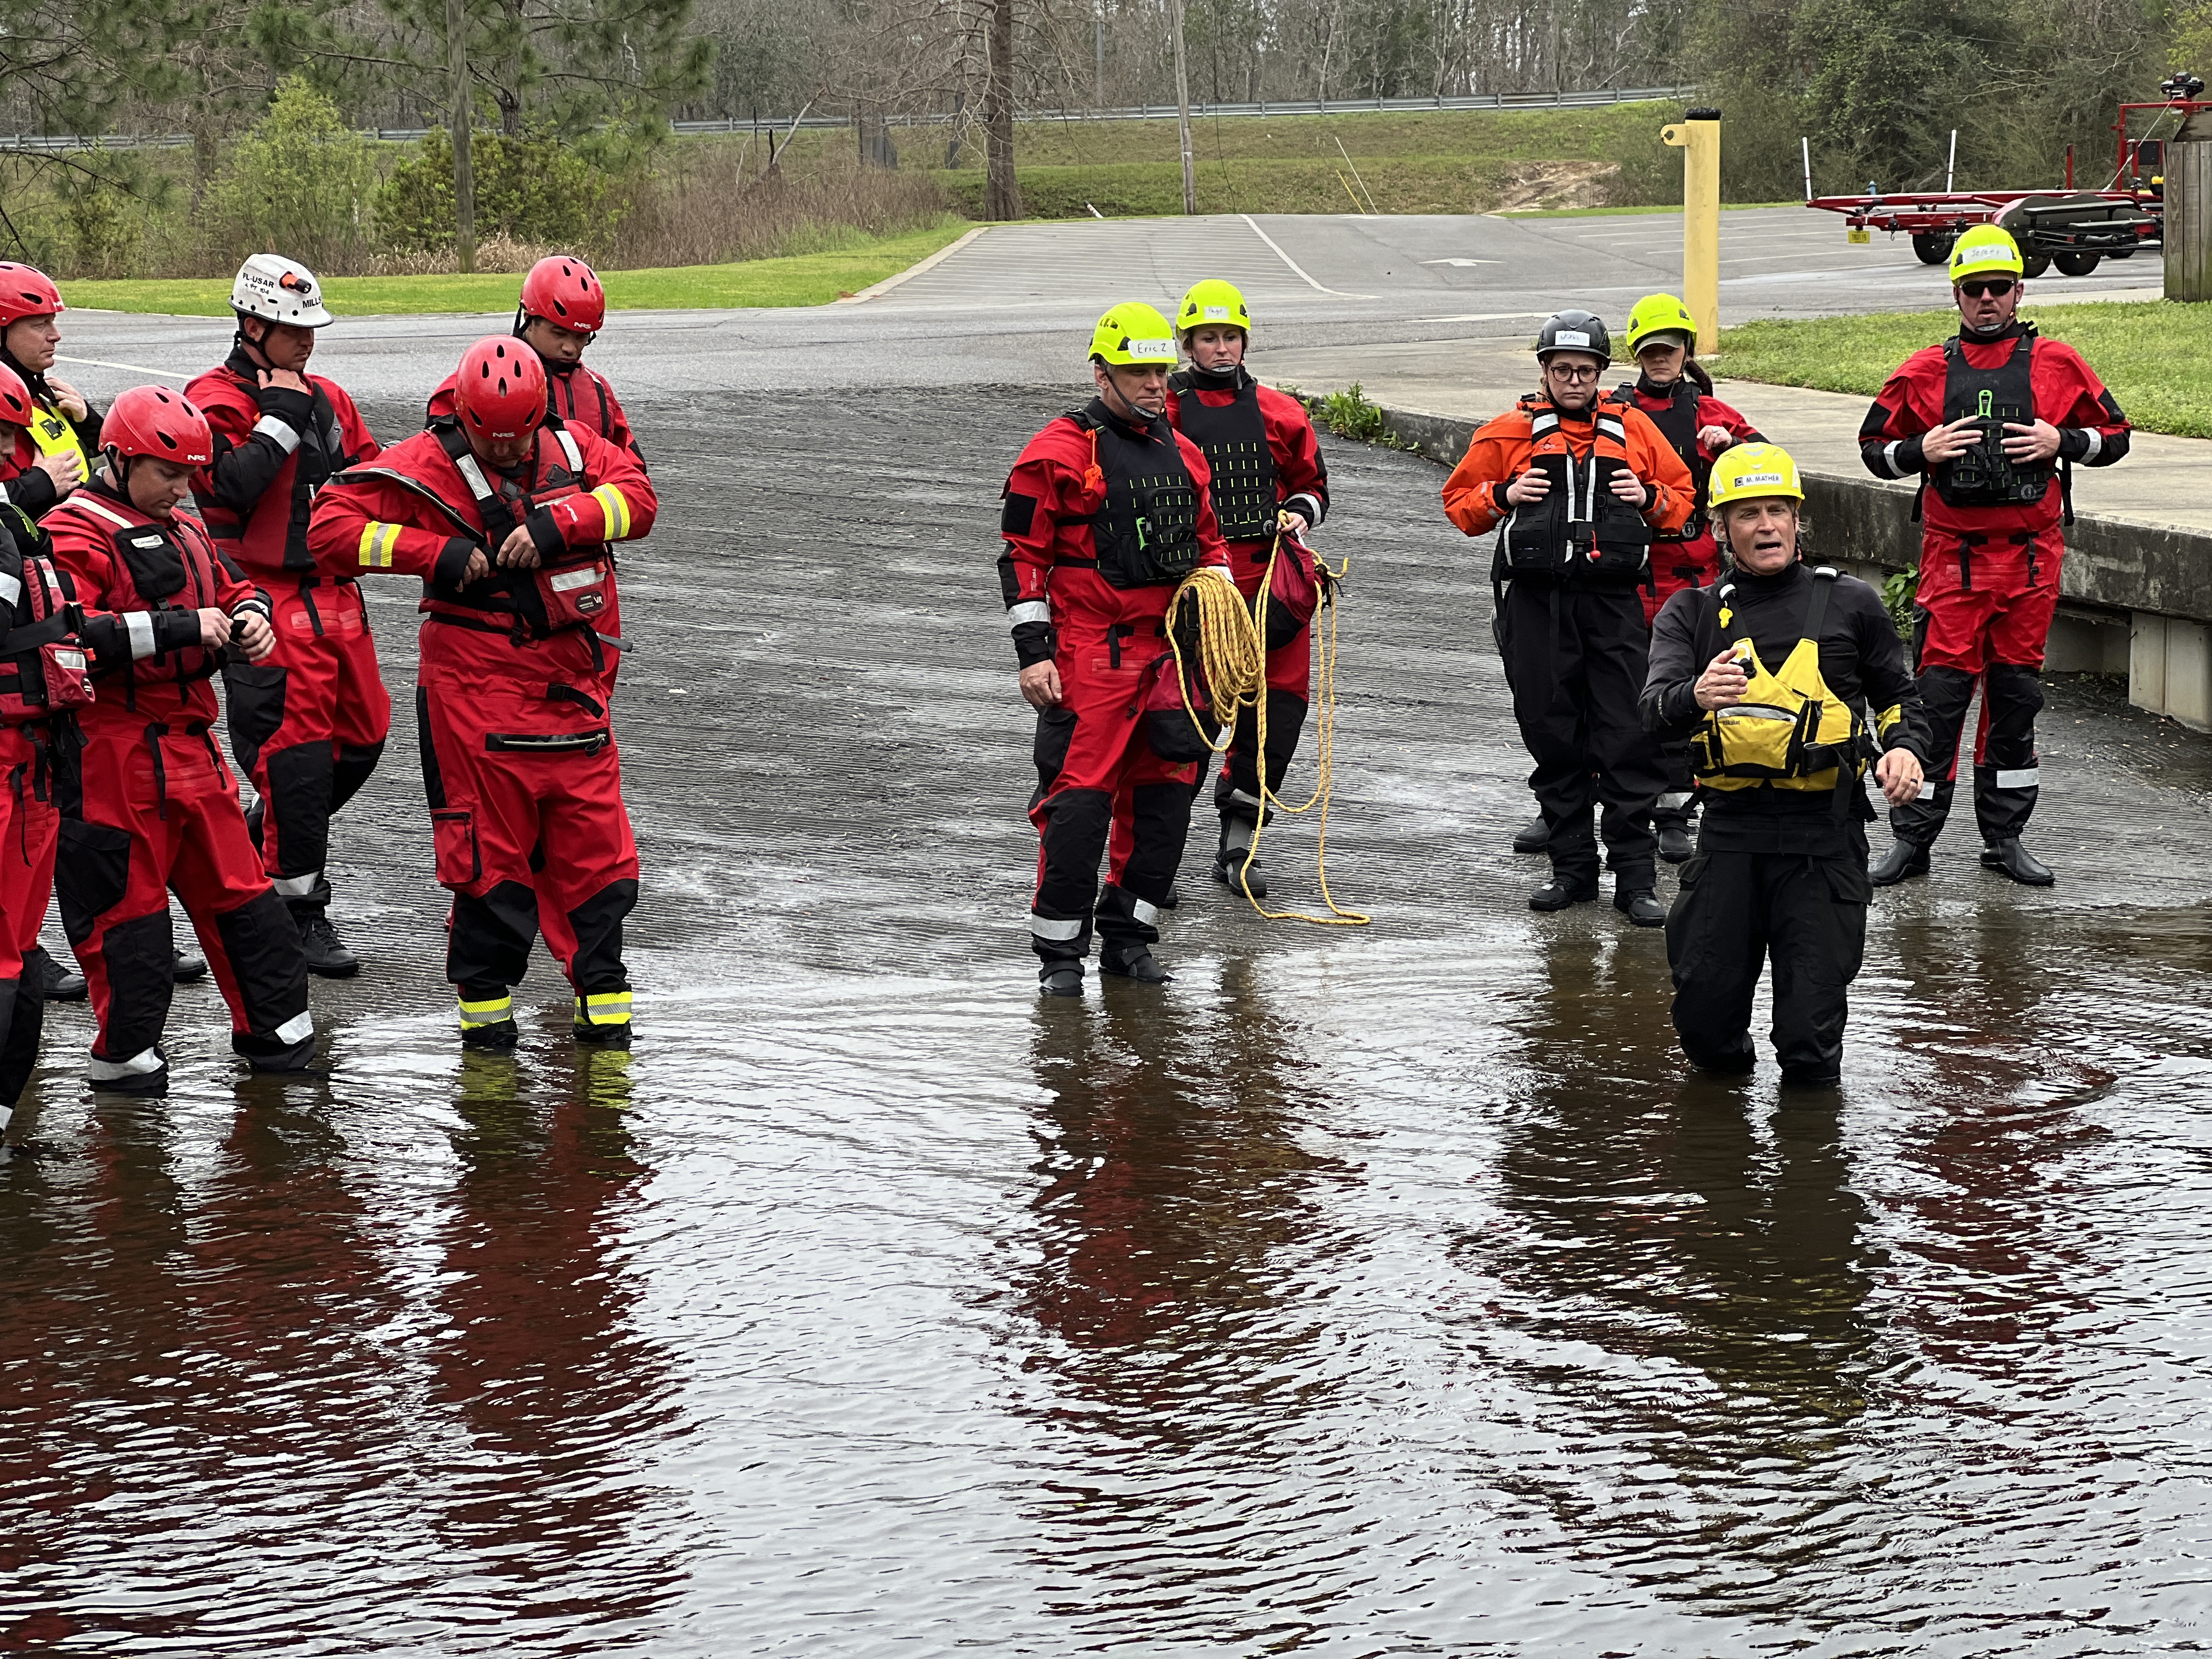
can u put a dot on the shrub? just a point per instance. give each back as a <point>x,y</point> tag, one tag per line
<point>1349,415</point>
<point>298,184</point>
<point>532,190</point>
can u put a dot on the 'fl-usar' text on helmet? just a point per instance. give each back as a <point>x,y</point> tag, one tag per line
<point>1661,316</point>
<point>1131,334</point>
<point>279,290</point>
<point>154,421</point>
<point>565,292</point>
<point>500,390</point>
<point>26,291</point>
<point>1986,251</point>
<point>1575,330</point>
<point>1751,472</point>
<point>1213,303</point>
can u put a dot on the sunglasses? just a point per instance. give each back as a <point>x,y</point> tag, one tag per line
<point>1975,288</point>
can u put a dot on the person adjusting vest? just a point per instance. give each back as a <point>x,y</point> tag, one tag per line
<point>1785,681</point>
<point>309,724</point>
<point>1993,419</point>
<point>506,515</point>
<point>157,809</point>
<point>1575,487</point>
<point>1106,511</point>
<point>1674,389</point>
<point>1267,476</point>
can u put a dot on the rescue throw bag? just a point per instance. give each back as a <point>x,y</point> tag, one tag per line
<point>1790,731</point>
<point>1294,585</point>
<point>43,670</point>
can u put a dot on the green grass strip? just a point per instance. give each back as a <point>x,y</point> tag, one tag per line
<point>2154,354</point>
<point>807,279</point>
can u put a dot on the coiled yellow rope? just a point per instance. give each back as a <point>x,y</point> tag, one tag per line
<point>1230,656</point>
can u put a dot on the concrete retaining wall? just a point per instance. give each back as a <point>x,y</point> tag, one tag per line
<point>2137,598</point>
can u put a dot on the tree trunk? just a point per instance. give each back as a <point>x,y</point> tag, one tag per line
<point>464,183</point>
<point>1182,109</point>
<point>1002,194</point>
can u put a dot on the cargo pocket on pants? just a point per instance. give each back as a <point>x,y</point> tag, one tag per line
<point>1850,892</point>
<point>92,872</point>
<point>256,699</point>
<point>454,833</point>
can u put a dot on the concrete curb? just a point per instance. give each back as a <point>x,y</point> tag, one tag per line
<point>874,289</point>
<point>2137,599</point>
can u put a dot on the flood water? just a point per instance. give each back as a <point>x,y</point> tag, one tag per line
<point>1378,1292</point>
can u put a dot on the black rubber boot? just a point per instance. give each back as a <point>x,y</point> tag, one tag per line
<point>1560,892</point>
<point>1135,961</point>
<point>1229,869</point>
<point>2007,857</point>
<point>1641,907</point>
<point>1905,859</point>
<point>1060,977</point>
<point>602,1037</point>
<point>1674,843</point>
<point>45,978</point>
<point>1174,900</point>
<point>187,966</point>
<point>498,1036</point>
<point>1532,836</point>
<point>326,953</point>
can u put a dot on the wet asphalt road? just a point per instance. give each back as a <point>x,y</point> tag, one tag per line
<point>1387,1291</point>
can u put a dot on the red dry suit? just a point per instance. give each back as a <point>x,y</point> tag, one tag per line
<point>1102,520</point>
<point>519,764</point>
<point>1990,548</point>
<point>309,721</point>
<point>159,809</point>
<point>1264,456</point>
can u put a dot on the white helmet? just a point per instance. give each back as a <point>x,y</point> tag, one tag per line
<point>283,290</point>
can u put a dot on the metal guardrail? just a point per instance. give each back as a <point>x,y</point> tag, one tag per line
<point>64,141</point>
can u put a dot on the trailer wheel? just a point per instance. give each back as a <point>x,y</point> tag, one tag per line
<point>2119,253</point>
<point>1932,247</point>
<point>2033,264</point>
<point>2075,263</point>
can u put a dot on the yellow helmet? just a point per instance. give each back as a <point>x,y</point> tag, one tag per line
<point>1212,302</point>
<point>1983,250</point>
<point>1752,471</point>
<point>1132,333</point>
<point>1660,313</point>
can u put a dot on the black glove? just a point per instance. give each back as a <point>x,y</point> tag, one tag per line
<point>295,409</point>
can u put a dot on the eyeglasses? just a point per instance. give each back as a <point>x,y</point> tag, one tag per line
<point>1573,376</point>
<point>1975,287</point>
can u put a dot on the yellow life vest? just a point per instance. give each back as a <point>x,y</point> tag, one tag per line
<point>53,433</point>
<point>1790,731</point>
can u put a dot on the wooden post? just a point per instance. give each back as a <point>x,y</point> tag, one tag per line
<point>1182,112</point>
<point>464,178</point>
<point>2189,220</point>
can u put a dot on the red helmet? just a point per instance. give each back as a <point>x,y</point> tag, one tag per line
<point>26,291</point>
<point>566,293</point>
<point>152,420</point>
<point>501,389</point>
<point>16,408</point>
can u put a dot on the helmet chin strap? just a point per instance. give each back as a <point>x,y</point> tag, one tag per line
<point>1135,413</point>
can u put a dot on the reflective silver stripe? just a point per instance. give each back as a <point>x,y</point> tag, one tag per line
<point>568,448</point>
<point>269,427</point>
<point>1755,711</point>
<point>1889,458</point>
<point>1827,570</point>
<point>562,581</point>
<point>1544,424</point>
<point>1927,789</point>
<point>1029,610</point>
<point>1613,429</point>
<point>92,506</point>
<point>2096,443</point>
<point>297,1029</point>
<point>10,589</point>
<point>1046,927</point>
<point>1236,835</point>
<point>296,886</point>
<point>1675,800</point>
<point>7,1113</point>
<point>1147,913</point>
<point>2027,778</point>
<point>472,475</point>
<point>140,1064</point>
<point>140,625</point>
<point>1243,799</point>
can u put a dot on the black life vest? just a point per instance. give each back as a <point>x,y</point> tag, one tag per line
<point>1581,531</point>
<point>1984,476</point>
<point>43,669</point>
<point>1146,534</point>
<point>1233,438</point>
<point>1678,424</point>
<point>157,567</point>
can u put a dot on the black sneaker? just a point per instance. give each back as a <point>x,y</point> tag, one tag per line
<point>326,953</point>
<point>1561,892</point>
<point>44,977</point>
<point>1534,837</point>
<point>1675,845</point>
<point>1641,907</point>
<point>187,966</point>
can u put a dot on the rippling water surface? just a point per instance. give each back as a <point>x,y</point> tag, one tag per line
<point>1388,1293</point>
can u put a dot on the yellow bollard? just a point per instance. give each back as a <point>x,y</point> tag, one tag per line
<point>1698,138</point>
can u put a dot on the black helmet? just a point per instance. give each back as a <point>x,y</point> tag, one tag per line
<point>1575,330</point>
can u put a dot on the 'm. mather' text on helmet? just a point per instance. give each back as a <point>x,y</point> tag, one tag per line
<point>1575,330</point>
<point>501,389</point>
<point>154,421</point>
<point>565,292</point>
<point>1751,472</point>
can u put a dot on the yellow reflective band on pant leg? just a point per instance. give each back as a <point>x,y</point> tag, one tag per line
<point>488,1013</point>
<point>377,541</point>
<point>616,509</point>
<point>604,1008</point>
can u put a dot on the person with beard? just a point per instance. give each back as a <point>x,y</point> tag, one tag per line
<point>1993,419</point>
<point>1575,485</point>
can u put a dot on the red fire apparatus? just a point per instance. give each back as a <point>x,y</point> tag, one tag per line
<point>2073,229</point>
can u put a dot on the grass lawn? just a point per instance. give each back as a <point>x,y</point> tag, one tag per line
<point>806,279</point>
<point>1147,189</point>
<point>2155,355</point>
